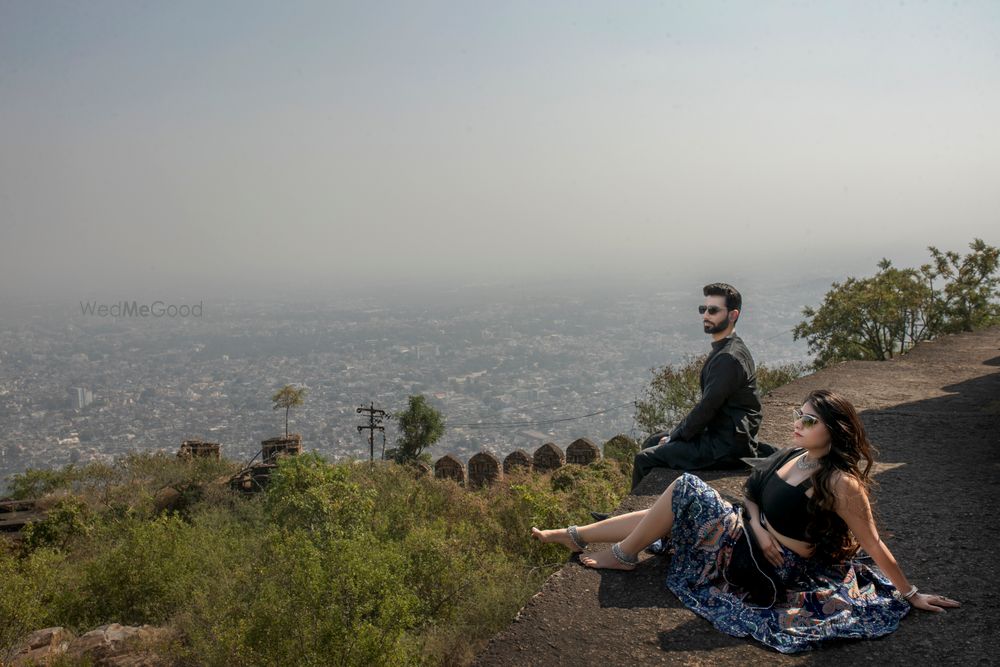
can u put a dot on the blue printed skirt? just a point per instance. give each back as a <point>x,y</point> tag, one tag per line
<point>850,600</point>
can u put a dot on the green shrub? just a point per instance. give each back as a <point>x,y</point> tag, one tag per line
<point>140,577</point>
<point>770,377</point>
<point>374,564</point>
<point>34,483</point>
<point>67,519</point>
<point>882,316</point>
<point>30,587</point>
<point>622,449</point>
<point>307,492</point>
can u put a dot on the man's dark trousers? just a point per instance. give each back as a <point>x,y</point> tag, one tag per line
<point>680,455</point>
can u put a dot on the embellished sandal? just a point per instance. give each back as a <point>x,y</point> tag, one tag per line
<point>622,557</point>
<point>574,536</point>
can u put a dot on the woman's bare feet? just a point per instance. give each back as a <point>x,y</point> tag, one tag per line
<point>559,536</point>
<point>604,560</point>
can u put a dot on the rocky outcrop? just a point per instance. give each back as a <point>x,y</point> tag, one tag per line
<point>112,645</point>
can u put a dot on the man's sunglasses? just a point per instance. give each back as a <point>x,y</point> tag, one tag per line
<point>808,420</point>
<point>711,310</point>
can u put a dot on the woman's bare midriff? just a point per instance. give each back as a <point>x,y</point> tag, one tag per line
<point>803,549</point>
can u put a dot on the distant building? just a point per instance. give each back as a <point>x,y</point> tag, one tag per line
<point>80,397</point>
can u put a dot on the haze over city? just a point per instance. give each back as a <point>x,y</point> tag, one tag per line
<point>189,150</point>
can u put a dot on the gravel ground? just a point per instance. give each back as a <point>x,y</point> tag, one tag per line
<point>934,416</point>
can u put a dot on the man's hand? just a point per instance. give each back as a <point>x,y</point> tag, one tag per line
<point>664,440</point>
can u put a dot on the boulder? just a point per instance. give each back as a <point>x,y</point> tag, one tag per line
<point>41,647</point>
<point>117,645</point>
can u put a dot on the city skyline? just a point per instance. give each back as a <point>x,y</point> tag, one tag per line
<point>505,375</point>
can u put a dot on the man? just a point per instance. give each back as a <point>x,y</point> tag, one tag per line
<point>723,426</point>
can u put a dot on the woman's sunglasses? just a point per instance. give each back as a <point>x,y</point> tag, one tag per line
<point>808,420</point>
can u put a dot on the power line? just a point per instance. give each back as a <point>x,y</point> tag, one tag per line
<point>540,422</point>
<point>552,404</point>
<point>375,417</point>
<point>780,333</point>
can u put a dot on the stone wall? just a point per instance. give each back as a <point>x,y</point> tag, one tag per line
<point>485,468</point>
<point>200,448</point>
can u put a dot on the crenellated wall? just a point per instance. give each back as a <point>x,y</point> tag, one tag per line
<point>485,468</point>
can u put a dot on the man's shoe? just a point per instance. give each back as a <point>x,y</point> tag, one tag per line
<point>599,516</point>
<point>657,547</point>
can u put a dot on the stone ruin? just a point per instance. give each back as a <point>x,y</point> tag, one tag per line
<point>517,458</point>
<point>16,514</point>
<point>583,452</point>
<point>449,467</point>
<point>484,468</point>
<point>255,476</point>
<point>272,448</point>
<point>549,457</point>
<point>200,448</point>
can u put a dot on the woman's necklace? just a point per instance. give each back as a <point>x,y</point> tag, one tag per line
<point>806,463</point>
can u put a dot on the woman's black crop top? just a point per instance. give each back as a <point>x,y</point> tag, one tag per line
<point>783,505</point>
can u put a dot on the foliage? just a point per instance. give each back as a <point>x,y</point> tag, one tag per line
<point>140,571</point>
<point>29,586</point>
<point>967,301</point>
<point>671,394</point>
<point>374,564</point>
<point>33,483</point>
<point>871,318</point>
<point>675,390</point>
<point>884,315</point>
<point>420,427</point>
<point>770,377</point>
<point>308,493</point>
<point>286,398</point>
<point>593,484</point>
<point>622,449</point>
<point>66,520</point>
<point>126,487</point>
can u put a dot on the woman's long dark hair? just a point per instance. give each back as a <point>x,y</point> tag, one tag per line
<point>849,446</point>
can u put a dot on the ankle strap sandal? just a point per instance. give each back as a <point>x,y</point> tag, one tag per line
<point>574,535</point>
<point>622,557</point>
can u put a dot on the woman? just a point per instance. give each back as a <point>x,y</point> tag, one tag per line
<point>807,510</point>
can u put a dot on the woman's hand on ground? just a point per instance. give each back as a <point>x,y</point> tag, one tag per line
<point>768,545</point>
<point>931,602</point>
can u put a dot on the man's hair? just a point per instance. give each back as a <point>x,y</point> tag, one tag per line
<point>734,301</point>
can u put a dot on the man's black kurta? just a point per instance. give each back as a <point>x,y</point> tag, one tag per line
<point>722,427</point>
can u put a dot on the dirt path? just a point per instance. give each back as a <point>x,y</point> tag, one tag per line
<point>934,415</point>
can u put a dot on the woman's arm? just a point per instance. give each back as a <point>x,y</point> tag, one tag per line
<point>853,507</point>
<point>766,541</point>
<point>752,510</point>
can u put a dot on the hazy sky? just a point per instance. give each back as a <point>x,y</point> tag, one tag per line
<point>238,145</point>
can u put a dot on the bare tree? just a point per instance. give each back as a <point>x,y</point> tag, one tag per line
<point>288,397</point>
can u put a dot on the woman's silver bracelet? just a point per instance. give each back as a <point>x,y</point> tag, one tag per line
<point>910,593</point>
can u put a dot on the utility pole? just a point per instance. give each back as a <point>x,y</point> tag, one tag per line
<point>375,418</point>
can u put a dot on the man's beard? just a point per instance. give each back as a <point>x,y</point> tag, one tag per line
<point>716,328</point>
